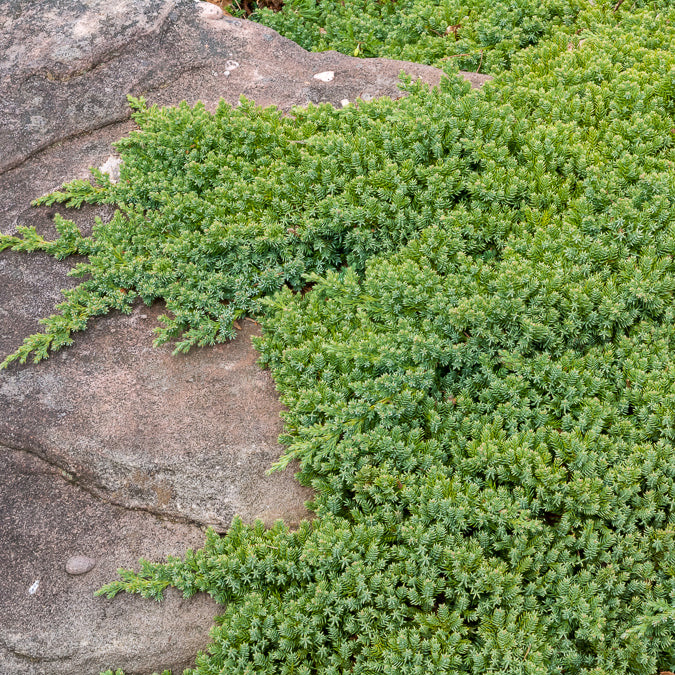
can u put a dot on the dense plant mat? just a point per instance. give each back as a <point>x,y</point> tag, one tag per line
<point>477,35</point>
<point>218,211</point>
<point>479,374</point>
<point>481,35</point>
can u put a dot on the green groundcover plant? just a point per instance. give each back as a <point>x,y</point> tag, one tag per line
<point>478,34</point>
<point>467,303</point>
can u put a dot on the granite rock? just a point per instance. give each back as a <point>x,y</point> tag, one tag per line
<point>50,621</point>
<point>113,449</point>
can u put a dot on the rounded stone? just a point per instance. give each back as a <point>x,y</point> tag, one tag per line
<point>80,564</point>
<point>209,11</point>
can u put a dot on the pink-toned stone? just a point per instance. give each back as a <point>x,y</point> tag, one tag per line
<point>60,628</point>
<point>80,564</point>
<point>112,447</point>
<point>188,436</point>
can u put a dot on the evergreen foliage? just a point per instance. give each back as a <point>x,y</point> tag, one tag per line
<point>479,34</point>
<point>217,211</point>
<point>480,383</point>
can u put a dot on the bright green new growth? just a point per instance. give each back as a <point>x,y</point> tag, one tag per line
<point>481,382</point>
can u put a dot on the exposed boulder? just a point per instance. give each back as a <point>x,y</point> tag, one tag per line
<point>113,450</point>
<point>70,65</point>
<point>50,621</point>
<point>188,437</point>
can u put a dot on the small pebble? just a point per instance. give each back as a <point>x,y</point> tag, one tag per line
<point>80,564</point>
<point>326,76</point>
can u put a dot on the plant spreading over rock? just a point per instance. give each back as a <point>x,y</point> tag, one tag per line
<point>480,382</point>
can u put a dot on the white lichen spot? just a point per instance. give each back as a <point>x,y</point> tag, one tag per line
<point>112,168</point>
<point>326,76</point>
<point>344,102</point>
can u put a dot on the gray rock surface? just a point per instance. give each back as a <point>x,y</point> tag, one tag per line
<point>111,449</point>
<point>71,63</point>
<point>138,426</point>
<point>189,436</point>
<point>50,621</point>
